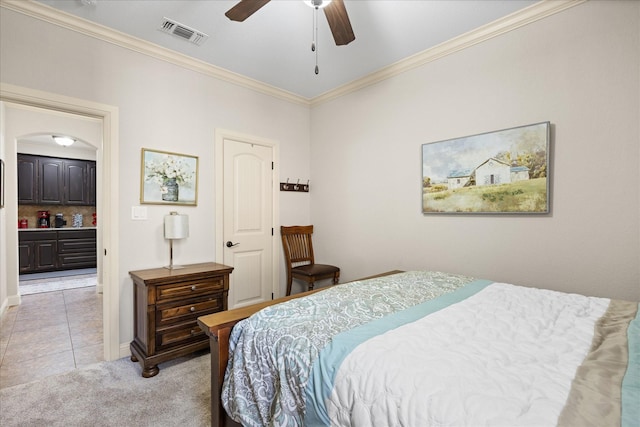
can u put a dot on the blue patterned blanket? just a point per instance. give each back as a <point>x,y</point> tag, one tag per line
<point>271,353</point>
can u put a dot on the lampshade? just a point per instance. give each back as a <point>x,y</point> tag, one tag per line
<point>176,226</point>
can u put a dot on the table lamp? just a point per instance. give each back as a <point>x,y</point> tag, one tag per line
<point>175,227</point>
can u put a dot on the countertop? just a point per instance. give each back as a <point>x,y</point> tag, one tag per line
<point>56,229</point>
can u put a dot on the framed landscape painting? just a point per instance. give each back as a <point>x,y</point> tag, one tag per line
<point>501,172</point>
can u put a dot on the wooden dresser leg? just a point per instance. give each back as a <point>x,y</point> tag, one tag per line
<point>150,371</point>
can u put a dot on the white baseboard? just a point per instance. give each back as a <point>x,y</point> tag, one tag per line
<point>124,350</point>
<point>4,307</point>
<point>14,300</point>
<point>10,302</point>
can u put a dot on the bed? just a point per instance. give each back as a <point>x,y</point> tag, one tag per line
<point>427,348</point>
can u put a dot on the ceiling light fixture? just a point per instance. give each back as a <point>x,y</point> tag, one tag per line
<point>65,141</point>
<point>316,4</point>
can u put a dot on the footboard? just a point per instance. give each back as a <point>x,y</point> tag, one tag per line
<point>218,327</point>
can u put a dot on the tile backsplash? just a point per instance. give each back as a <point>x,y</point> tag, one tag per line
<point>30,212</point>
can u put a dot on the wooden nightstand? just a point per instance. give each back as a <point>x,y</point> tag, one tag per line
<point>167,304</point>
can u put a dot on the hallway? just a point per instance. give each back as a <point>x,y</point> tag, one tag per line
<point>50,333</point>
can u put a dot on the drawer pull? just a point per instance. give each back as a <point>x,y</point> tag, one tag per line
<point>192,309</point>
<point>194,331</point>
<point>193,288</point>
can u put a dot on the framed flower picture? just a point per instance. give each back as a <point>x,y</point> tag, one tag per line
<point>168,178</point>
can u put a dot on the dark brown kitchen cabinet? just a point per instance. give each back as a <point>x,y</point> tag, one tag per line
<point>76,249</point>
<point>27,179</point>
<point>37,251</point>
<point>75,182</point>
<point>56,250</point>
<point>91,183</point>
<point>56,181</point>
<point>50,181</point>
<point>25,255</point>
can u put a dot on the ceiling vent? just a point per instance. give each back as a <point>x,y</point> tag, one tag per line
<point>179,30</point>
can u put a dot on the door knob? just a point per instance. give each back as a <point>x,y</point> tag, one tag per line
<point>230,244</point>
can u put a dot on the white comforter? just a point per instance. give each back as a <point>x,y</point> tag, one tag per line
<point>449,376</point>
<point>434,349</point>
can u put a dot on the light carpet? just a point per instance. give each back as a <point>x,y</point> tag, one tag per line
<point>114,394</point>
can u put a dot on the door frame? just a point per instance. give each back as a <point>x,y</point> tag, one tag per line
<point>220,136</point>
<point>107,158</point>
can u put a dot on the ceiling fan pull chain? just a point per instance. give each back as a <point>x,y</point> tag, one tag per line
<point>314,48</point>
<point>313,32</point>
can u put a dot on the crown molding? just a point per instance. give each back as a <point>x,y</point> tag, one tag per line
<point>57,17</point>
<point>501,26</point>
<point>496,28</point>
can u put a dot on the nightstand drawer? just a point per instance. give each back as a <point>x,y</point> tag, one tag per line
<point>167,304</point>
<point>179,335</point>
<point>168,314</point>
<point>189,289</point>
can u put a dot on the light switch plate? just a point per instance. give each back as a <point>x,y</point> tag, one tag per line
<point>139,213</point>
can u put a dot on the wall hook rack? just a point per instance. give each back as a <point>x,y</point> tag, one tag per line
<point>301,188</point>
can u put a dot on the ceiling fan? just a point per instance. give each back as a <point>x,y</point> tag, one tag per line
<point>334,10</point>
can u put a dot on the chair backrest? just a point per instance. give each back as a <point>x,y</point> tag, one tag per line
<point>298,248</point>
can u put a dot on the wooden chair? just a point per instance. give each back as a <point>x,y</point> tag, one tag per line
<point>298,251</point>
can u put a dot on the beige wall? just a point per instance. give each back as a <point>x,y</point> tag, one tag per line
<point>578,69</point>
<point>161,106</point>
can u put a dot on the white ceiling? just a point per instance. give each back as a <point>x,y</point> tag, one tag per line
<point>273,46</point>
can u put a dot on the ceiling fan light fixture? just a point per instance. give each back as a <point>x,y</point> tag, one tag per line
<point>319,4</point>
<point>65,141</point>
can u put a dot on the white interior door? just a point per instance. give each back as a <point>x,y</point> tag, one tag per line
<point>248,220</point>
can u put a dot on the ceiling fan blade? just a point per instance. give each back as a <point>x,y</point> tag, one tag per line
<point>244,9</point>
<point>339,23</point>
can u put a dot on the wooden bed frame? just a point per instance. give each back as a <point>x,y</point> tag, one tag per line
<point>218,327</point>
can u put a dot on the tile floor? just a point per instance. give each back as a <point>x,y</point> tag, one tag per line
<point>50,333</point>
<point>49,284</point>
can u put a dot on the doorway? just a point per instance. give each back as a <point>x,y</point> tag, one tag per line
<point>50,261</point>
<point>67,333</point>
<point>17,99</point>
<point>247,215</point>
